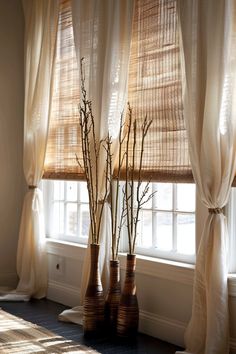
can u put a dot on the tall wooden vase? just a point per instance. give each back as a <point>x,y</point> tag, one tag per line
<point>93,320</point>
<point>128,311</point>
<point>113,296</point>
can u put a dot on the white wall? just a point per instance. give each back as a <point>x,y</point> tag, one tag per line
<point>11,133</point>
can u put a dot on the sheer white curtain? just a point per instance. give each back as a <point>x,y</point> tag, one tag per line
<point>102,32</point>
<point>40,34</point>
<point>208,30</point>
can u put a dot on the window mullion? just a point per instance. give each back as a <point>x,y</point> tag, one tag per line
<point>174,215</point>
<point>78,209</point>
<point>65,207</point>
<point>154,216</point>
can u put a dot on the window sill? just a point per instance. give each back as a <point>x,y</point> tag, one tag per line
<point>154,267</point>
<point>161,268</point>
<point>65,248</point>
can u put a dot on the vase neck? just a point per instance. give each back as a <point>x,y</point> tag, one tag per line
<point>94,264</point>
<point>130,263</point>
<point>114,271</point>
<point>129,285</point>
<point>94,252</point>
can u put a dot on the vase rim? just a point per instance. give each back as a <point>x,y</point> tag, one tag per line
<point>114,261</point>
<point>131,255</point>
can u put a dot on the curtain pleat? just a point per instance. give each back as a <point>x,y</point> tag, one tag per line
<point>40,36</point>
<point>209,64</point>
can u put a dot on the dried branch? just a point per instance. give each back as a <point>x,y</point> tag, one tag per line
<point>127,181</point>
<point>114,183</point>
<point>90,153</point>
<point>133,211</point>
<point>122,222</point>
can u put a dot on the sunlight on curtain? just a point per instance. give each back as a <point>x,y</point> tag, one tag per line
<point>209,62</point>
<point>40,35</point>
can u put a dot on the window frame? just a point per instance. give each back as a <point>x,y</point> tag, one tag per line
<point>169,255</point>
<point>47,187</point>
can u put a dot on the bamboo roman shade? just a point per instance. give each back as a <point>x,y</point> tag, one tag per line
<point>64,135</point>
<point>154,90</point>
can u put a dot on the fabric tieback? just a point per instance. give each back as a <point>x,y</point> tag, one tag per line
<point>32,187</point>
<point>215,210</point>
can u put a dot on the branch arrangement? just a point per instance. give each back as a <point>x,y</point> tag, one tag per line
<point>125,204</point>
<point>117,208</point>
<point>91,149</point>
<point>132,185</point>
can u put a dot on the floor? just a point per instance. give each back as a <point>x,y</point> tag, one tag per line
<point>44,313</point>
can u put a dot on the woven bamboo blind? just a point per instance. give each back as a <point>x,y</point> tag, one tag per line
<point>154,90</point>
<point>64,135</point>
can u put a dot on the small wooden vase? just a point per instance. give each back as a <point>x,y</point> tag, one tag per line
<point>93,320</point>
<point>128,311</point>
<point>113,296</point>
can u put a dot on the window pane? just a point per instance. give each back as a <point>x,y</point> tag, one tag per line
<point>163,232</point>
<point>71,219</point>
<point>148,188</point>
<point>163,198</point>
<point>58,218</point>
<point>186,233</point>
<point>186,197</point>
<point>71,190</point>
<point>83,192</point>
<point>144,238</point>
<point>58,190</point>
<point>84,220</point>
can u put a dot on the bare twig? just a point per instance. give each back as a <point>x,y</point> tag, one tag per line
<point>133,211</point>
<point>127,181</point>
<point>114,183</point>
<point>90,154</point>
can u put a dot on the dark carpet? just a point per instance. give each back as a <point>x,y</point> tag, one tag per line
<point>44,313</point>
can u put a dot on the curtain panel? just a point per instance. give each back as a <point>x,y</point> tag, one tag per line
<point>208,31</point>
<point>40,34</point>
<point>102,34</point>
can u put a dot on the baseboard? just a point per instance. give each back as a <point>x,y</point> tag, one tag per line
<point>164,328</point>
<point>63,293</point>
<point>167,329</point>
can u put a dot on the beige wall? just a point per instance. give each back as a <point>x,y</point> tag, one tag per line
<point>11,132</point>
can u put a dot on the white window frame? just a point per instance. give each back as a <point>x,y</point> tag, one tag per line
<point>230,211</point>
<point>47,187</point>
<point>200,214</point>
<point>152,252</point>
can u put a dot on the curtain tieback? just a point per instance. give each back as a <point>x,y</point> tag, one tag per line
<point>32,187</point>
<point>215,210</point>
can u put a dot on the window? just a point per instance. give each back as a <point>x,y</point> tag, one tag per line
<point>167,223</point>
<point>230,213</point>
<point>166,227</point>
<point>67,210</point>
